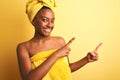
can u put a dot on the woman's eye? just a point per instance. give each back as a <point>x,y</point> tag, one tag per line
<point>44,20</point>
<point>52,21</point>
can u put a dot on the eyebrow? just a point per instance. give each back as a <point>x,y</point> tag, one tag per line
<point>46,17</point>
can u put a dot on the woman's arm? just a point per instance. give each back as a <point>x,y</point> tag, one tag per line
<point>91,57</point>
<point>38,73</point>
<point>77,65</point>
<point>25,65</point>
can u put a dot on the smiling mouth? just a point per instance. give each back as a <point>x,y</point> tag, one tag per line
<point>48,30</point>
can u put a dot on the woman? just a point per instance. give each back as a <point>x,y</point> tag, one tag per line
<point>45,57</point>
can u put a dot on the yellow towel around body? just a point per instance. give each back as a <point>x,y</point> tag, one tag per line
<point>59,71</point>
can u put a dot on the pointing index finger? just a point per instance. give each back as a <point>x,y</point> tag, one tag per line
<point>68,44</point>
<point>98,46</point>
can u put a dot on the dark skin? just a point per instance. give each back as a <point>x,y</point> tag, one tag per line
<point>44,24</point>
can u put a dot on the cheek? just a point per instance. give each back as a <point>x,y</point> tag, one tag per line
<point>41,24</point>
<point>40,27</point>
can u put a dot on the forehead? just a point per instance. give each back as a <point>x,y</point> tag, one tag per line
<point>46,13</point>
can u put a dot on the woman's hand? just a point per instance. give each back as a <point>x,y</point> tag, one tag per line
<point>64,51</point>
<point>93,56</point>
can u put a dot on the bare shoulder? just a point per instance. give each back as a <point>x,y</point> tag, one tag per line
<point>60,40</point>
<point>21,48</point>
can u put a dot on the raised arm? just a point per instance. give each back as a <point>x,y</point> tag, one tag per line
<point>38,73</point>
<point>91,57</point>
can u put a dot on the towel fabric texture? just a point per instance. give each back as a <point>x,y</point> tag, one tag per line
<point>33,6</point>
<point>59,71</point>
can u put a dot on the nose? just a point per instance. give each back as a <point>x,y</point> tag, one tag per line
<point>50,24</point>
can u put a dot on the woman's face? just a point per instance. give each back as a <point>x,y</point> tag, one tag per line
<point>44,22</point>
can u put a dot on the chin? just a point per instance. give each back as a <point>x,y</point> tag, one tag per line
<point>46,35</point>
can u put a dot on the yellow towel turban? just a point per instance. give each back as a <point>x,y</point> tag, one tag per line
<point>33,6</point>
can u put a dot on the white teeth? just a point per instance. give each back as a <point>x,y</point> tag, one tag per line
<point>47,30</point>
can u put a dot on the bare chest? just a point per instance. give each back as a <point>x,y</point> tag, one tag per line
<point>35,48</point>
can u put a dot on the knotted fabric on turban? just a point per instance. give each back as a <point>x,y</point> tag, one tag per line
<point>33,6</point>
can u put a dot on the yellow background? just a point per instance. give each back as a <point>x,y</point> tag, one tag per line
<point>90,21</point>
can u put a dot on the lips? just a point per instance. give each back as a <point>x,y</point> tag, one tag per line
<point>48,30</point>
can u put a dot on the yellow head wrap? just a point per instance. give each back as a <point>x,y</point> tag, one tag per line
<point>33,6</point>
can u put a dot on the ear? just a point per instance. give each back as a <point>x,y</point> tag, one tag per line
<point>33,22</point>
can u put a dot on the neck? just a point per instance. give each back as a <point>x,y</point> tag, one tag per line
<point>40,37</point>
